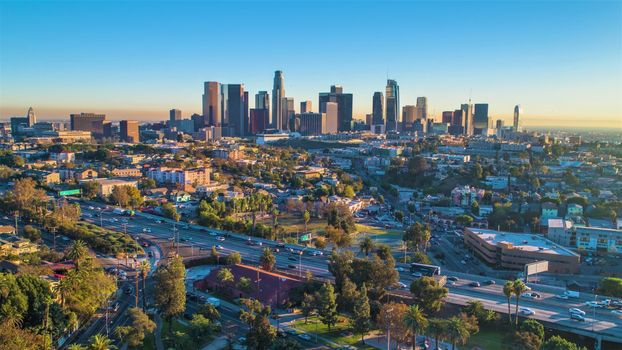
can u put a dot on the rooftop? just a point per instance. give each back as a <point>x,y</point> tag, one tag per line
<point>522,241</point>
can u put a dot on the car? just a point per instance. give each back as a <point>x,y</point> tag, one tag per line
<point>490,282</point>
<point>417,274</point>
<point>220,238</point>
<point>574,310</point>
<point>561,296</point>
<point>451,283</point>
<point>577,317</point>
<point>147,229</point>
<point>280,245</point>
<point>128,290</point>
<point>212,233</point>
<point>530,295</point>
<point>617,312</point>
<point>399,269</point>
<point>453,278</point>
<point>184,239</point>
<point>475,284</point>
<point>158,221</point>
<point>304,336</point>
<point>219,247</point>
<point>526,311</point>
<point>292,266</point>
<point>276,250</point>
<point>293,258</point>
<point>402,285</point>
<point>91,208</point>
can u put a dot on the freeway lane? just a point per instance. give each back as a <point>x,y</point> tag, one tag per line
<point>547,309</point>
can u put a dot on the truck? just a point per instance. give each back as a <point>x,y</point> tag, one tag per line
<point>571,294</point>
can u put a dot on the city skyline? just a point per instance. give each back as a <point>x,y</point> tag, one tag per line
<point>561,67</point>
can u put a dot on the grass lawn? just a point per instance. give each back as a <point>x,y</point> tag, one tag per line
<point>148,343</point>
<point>487,339</point>
<point>372,230</point>
<point>315,326</point>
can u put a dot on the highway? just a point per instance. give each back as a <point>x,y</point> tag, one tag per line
<point>547,308</point>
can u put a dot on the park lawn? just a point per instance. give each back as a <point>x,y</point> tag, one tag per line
<point>372,230</point>
<point>314,325</point>
<point>148,343</point>
<point>487,339</point>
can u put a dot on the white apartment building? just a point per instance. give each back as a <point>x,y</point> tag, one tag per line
<point>199,176</point>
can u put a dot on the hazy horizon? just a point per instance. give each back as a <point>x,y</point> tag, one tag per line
<point>132,60</point>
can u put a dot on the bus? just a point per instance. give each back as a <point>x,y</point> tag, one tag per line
<point>425,270</point>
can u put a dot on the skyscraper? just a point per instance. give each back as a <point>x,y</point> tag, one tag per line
<point>409,114</point>
<point>128,131</point>
<point>422,108</point>
<point>234,109</point>
<point>312,123</point>
<point>278,92</point>
<point>88,122</point>
<point>377,112</point>
<point>262,100</point>
<point>466,110</point>
<point>287,113</point>
<point>305,107</point>
<point>392,105</point>
<point>480,118</point>
<point>174,116</point>
<point>517,113</point>
<point>32,119</point>
<point>212,112</point>
<point>332,117</point>
<point>344,106</point>
<point>259,120</point>
<point>448,117</point>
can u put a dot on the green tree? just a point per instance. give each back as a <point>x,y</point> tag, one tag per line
<point>32,233</point>
<point>170,211</point>
<point>244,284</point>
<point>101,342</point>
<point>477,172</point>
<point>339,237</point>
<point>558,343</point>
<point>306,216</point>
<point>267,260</point>
<point>234,258</point>
<point>416,320</point>
<point>170,290</point>
<point>327,305</point>
<point>200,327</point>
<point>399,215</point>
<point>533,326</point>
<point>90,189</point>
<point>457,331</point>
<point>508,291</point>
<point>391,317</point>
<point>610,286</point>
<point>521,340</point>
<point>307,305</point>
<point>338,215</point>
<point>225,277</point>
<point>13,303</point>
<point>366,245</point>
<point>340,266</point>
<point>140,326</point>
<point>286,344</point>
<point>261,334</point>
<point>209,311</point>
<point>439,328</point>
<point>429,293</point>
<point>519,289</point>
<point>348,192</point>
<point>144,268</point>
<point>418,235</point>
<point>362,314</point>
<point>78,252</point>
<point>464,220</point>
<point>348,296</point>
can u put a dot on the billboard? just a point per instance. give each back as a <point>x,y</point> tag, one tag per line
<point>536,267</point>
<point>69,192</point>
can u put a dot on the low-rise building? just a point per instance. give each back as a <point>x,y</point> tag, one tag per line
<point>515,250</point>
<point>198,176</point>
<point>107,185</point>
<point>599,239</point>
<point>77,174</point>
<point>46,177</point>
<point>127,172</point>
<point>11,244</point>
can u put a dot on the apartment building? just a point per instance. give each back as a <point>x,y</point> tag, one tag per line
<point>163,175</point>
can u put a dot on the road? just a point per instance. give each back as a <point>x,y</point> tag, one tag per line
<point>547,309</point>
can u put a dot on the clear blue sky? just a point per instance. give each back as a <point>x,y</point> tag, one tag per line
<point>561,61</point>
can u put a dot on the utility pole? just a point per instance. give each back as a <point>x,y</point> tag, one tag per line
<point>137,288</point>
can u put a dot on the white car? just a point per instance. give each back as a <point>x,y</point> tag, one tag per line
<point>403,285</point>
<point>574,310</point>
<point>561,296</point>
<point>213,234</point>
<point>617,312</point>
<point>526,311</point>
<point>593,304</point>
<point>219,247</point>
<point>148,230</point>
<point>399,269</point>
<point>220,238</point>
<point>417,274</point>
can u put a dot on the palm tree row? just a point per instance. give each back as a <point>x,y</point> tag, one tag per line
<point>514,288</point>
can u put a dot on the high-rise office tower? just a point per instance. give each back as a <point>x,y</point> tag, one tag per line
<point>278,92</point>
<point>480,118</point>
<point>392,105</point>
<point>466,110</point>
<point>377,111</point>
<point>312,123</point>
<point>174,116</point>
<point>32,118</point>
<point>517,113</point>
<point>409,115</point>
<point>128,131</point>
<point>234,109</point>
<point>212,106</point>
<point>262,100</point>
<point>448,117</point>
<point>88,122</point>
<point>305,107</point>
<point>422,108</point>
<point>287,113</point>
<point>332,117</point>
<point>499,124</point>
<point>344,106</point>
<point>259,120</point>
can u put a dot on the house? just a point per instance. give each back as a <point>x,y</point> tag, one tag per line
<point>8,230</point>
<point>127,172</point>
<point>45,177</point>
<point>77,174</point>
<point>11,244</point>
<point>180,196</point>
<point>63,157</point>
<point>268,287</point>
<point>574,210</point>
<point>549,211</point>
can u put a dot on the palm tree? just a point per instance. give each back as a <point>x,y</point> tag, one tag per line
<point>144,268</point>
<point>76,347</point>
<point>508,291</point>
<point>367,245</point>
<point>457,331</point>
<point>66,286</point>
<point>101,342</point>
<point>416,320</point>
<point>519,289</point>
<point>77,252</point>
<point>438,327</point>
<point>306,217</point>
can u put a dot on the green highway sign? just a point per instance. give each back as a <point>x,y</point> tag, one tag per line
<point>70,192</point>
<point>305,238</point>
